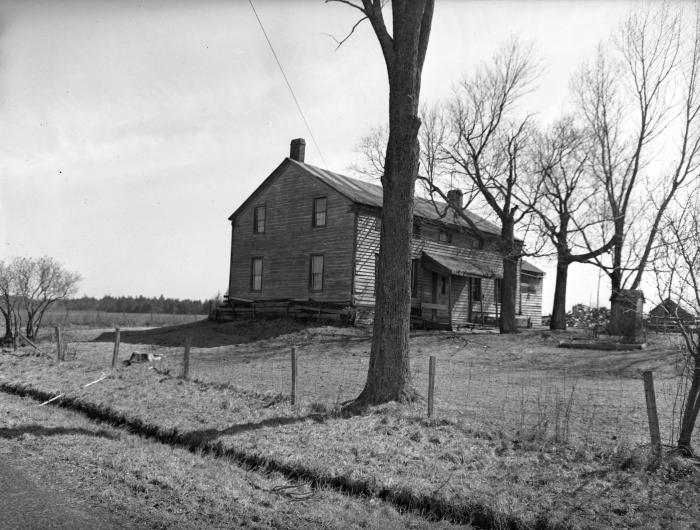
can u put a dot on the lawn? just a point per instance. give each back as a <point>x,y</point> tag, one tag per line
<point>525,433</point>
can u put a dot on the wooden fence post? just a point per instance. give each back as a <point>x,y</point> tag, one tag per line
<point>115,355</point>
<point>59,345</point>
<point>294,375</point>
<point>186,367</point>
<point>431,386</point>
<point>648,378</point>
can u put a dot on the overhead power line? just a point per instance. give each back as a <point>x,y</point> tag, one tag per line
<point>291,90</point>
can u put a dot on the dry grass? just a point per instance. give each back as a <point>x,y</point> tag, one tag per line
<point>518,384</point>
<point>99,319</point>
<point>129,482</point>
<point>463,464</point>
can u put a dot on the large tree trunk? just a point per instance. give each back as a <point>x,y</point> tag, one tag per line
<point>510,279</point>
<point>616,311</point>
<point>690,411</point>
<point>8,325</point>
<point>389,374</point>
<point>558,320</point>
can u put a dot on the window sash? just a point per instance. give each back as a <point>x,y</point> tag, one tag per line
<point>256,270</point>
<point>316,273</point>
<point>319,217</point>
<point>259,219</point>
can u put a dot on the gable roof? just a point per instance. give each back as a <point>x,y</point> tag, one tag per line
<point>670,308</point>
<point>368,194</point>
<point>531,269</point>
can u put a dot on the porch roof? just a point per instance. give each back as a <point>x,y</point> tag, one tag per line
<point>458,266</point>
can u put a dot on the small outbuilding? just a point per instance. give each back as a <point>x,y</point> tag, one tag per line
<point>667,316</point>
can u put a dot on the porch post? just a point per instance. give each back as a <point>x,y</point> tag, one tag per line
<point>449,298</point>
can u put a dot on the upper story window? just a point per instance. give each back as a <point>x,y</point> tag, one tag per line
<point>319,217</point>
<point>256,270</point>
<point>444,236</point>
<point>416,230</point>
<point>316,272</point>
<point>259,219</point>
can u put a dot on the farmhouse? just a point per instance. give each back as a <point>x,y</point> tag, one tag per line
<point>309,235</point>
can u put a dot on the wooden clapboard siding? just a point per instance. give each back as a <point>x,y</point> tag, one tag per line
<point>460,301</point>
<point>290,239</point>
<point>367,247</point>
<point>531,303</point>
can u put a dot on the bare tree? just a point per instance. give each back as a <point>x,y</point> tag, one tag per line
<point>404,51</point>
<point>483,151</point>
<point>676,264</point>
<point>372,151</point>
<point>569,216</point>
<point>8,298</point>
<point>640,102</point>
<point>40,282</point>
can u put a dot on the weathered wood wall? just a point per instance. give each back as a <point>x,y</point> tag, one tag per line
<point>367,241</point>
<point>290,239</point>
<point>531,302</point>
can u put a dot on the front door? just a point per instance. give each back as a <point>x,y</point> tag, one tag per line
<point>475,300</point>
<point>439,286</point>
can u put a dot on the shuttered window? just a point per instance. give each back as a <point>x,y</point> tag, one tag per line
<point>256,270</point>
<point>319,216</point>
<point>316,273</point>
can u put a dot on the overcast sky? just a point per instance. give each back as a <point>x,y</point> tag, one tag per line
<point>130,130</point>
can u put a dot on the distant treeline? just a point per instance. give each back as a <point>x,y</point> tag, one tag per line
<point>135,304</point>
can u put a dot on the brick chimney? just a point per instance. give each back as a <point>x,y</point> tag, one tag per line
<point>297,149</point>
<point>455,199</point>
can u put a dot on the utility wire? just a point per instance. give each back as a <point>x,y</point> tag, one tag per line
<point>291,90</point>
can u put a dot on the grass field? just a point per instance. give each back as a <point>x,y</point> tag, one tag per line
<point>495,448</point>
<point>101,319</point>
<point>517,384</point>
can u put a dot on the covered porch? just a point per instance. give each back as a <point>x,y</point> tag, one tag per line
<point>453,292</point>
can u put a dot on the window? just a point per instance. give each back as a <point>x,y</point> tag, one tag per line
<point>316,273</point>
<point>444,236</point>
<point>259,220</point>
<point>498,290</point>
<point>443,285</point>
<point>377,224</point>
<point>256,270</point>
<point>416,230</point>
<point>414,278</point>
<point>319,217</point>
<point>476,289</point>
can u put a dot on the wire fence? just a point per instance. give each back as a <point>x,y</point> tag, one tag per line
<point>544,404</point>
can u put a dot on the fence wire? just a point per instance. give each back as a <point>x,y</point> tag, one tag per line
<point>547,404</point>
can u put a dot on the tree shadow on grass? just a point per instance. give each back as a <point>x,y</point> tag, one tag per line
<point>40,430</point>
<point>208,435</point>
